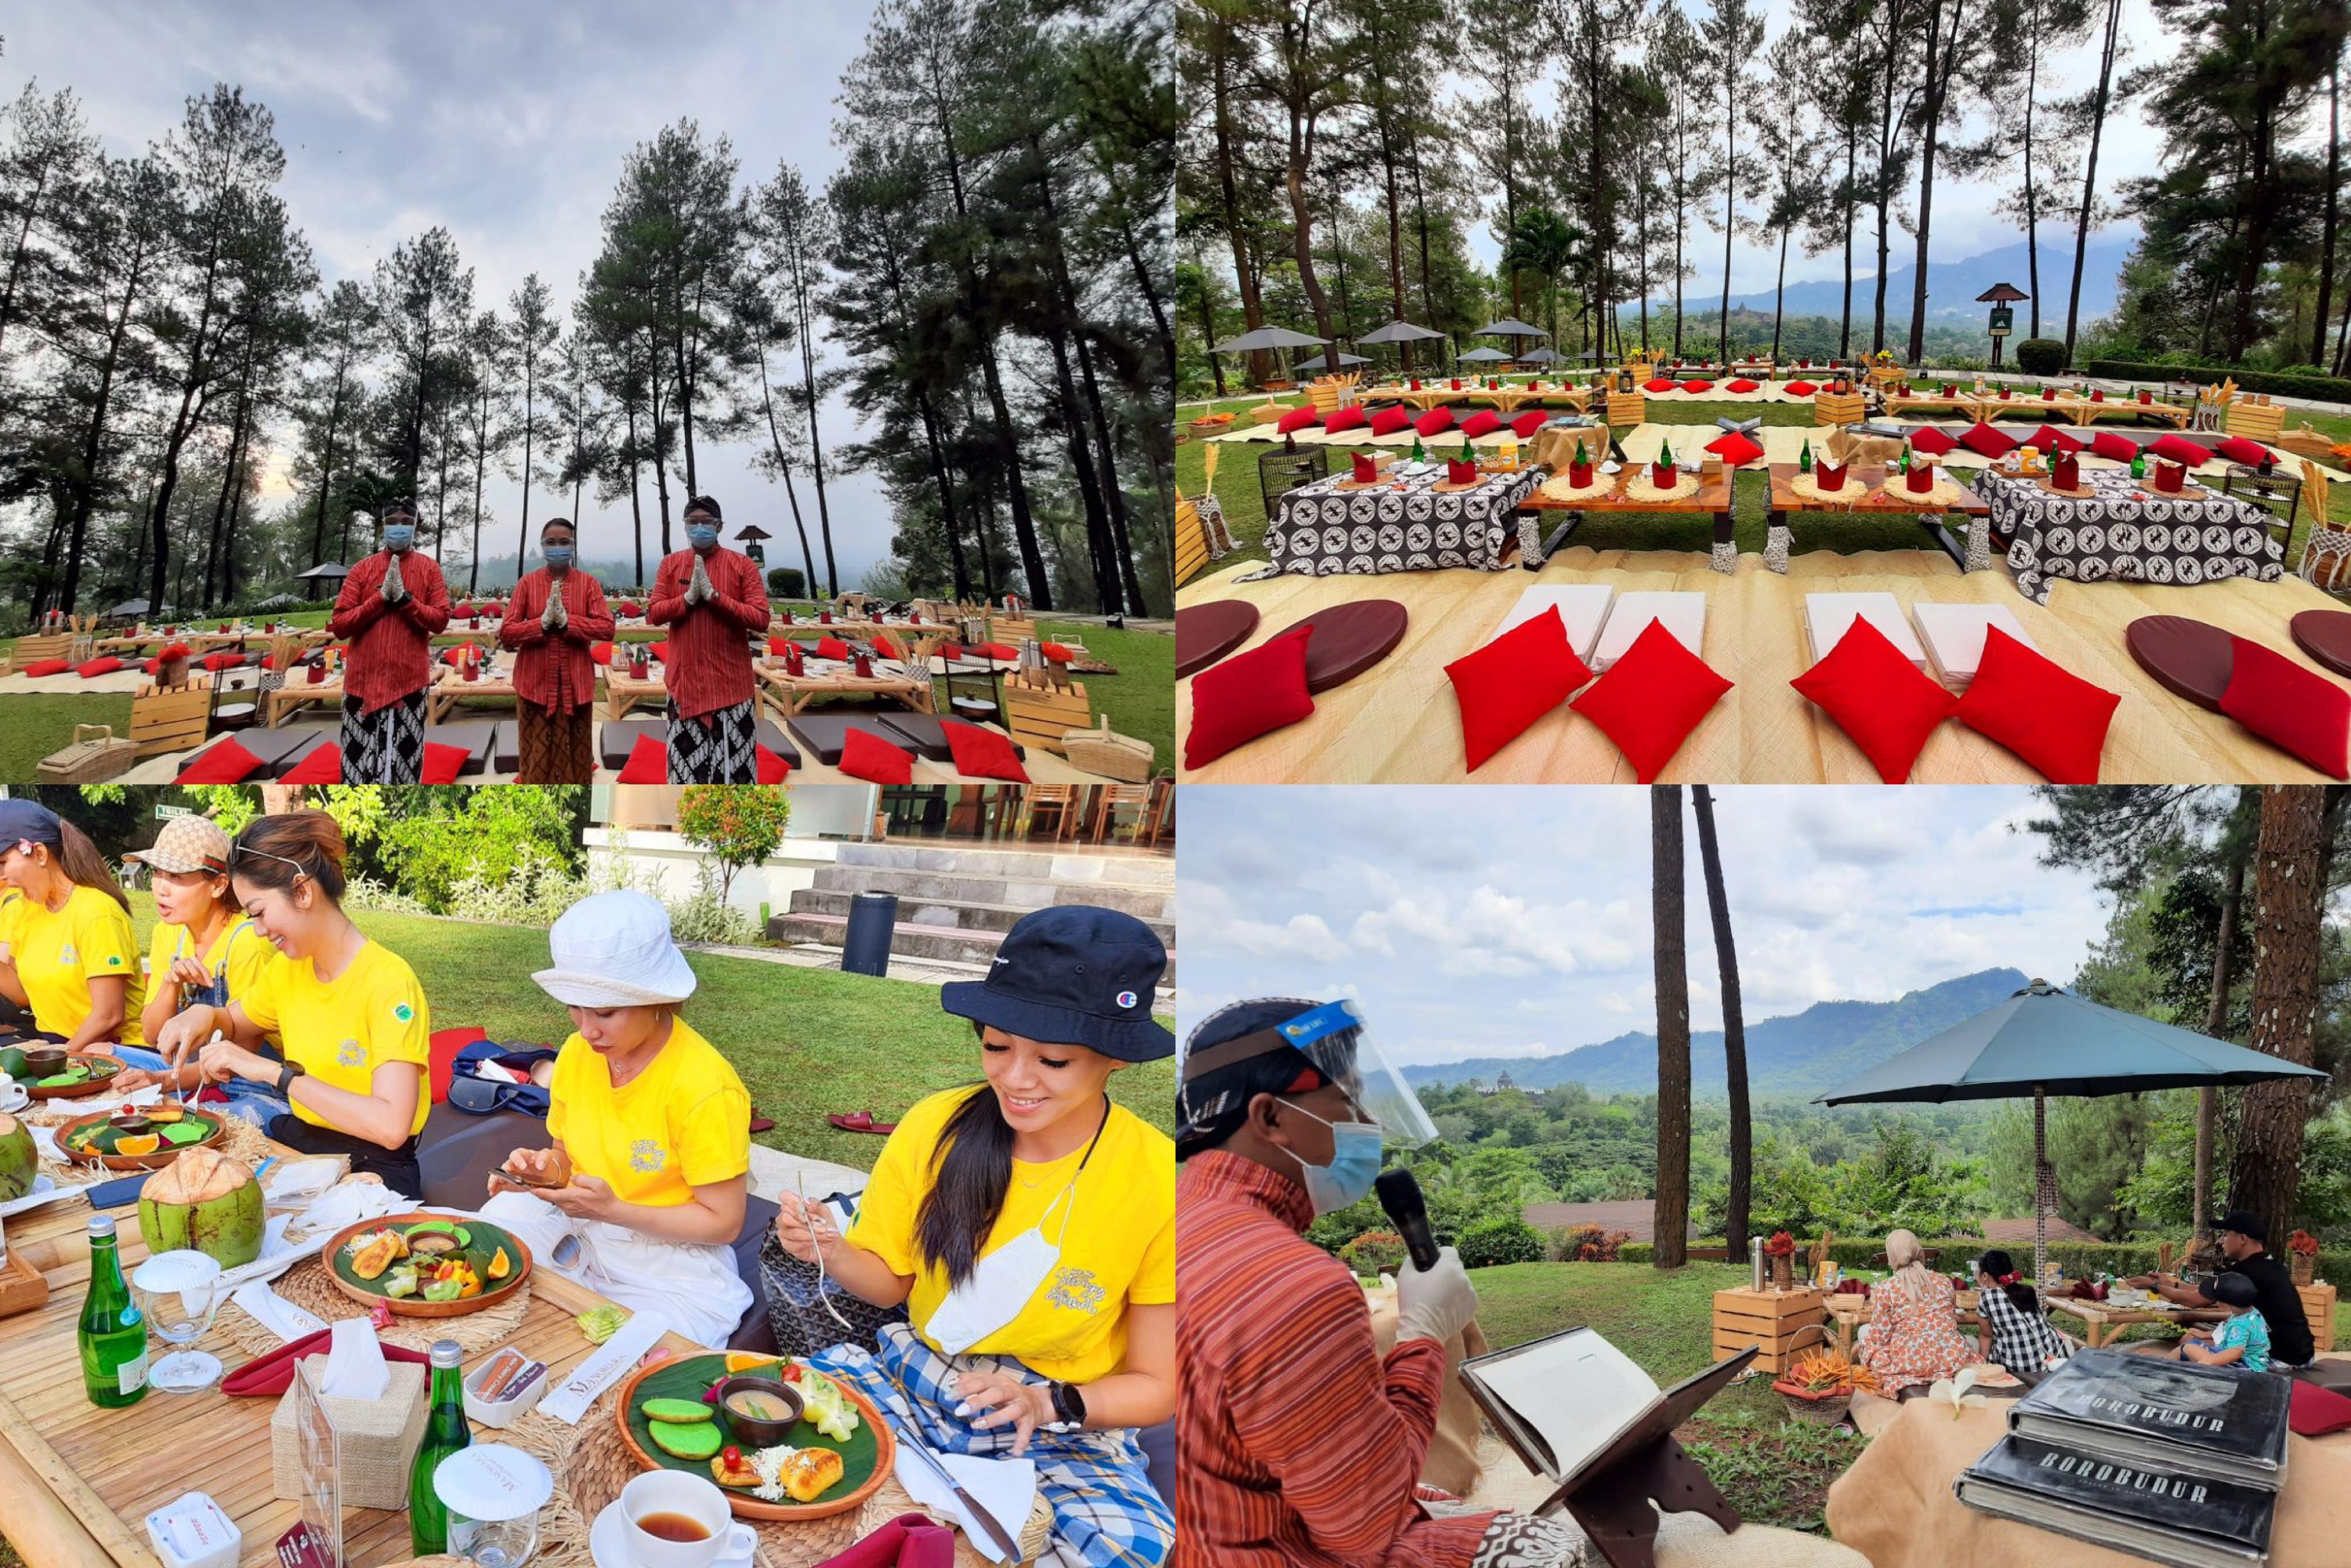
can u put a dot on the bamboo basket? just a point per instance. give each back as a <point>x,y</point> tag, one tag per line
<point>1104,750</point>
<point>88,760</point>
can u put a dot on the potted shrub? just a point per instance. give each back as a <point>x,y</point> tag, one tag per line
<point>2302,1251</point>
<point>172,665</point>
<point>1819,1388</point>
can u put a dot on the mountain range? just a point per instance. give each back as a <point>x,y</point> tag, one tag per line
<point>1794,1057</point>
<point>1952,286</point>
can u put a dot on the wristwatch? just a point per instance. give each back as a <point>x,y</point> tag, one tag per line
<point>1069,1406</point>
<point>287,1074</point>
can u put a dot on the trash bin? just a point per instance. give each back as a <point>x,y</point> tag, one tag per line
<point>865,949</point>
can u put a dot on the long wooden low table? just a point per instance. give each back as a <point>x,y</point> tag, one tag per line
<point>2102,1322</point>
<point>1867,499</point>
<point>789,693</point>
<point>1850,1310</point>
<point>1711,499</point>
<point>623,691</point>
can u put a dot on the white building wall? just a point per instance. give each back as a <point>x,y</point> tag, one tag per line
<point>674,867</point>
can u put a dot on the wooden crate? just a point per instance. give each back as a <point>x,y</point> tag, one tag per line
<point>1191,541</point>
<point>2318,1306</point>
<point>2255,422</point>
<point>1003,628</point>
<point>49,646</point>
<point>1039,713</point>
<point>170,718</point>
<point>1779,1324</point>
<point>1626,409</point>
<point>1830,408</point>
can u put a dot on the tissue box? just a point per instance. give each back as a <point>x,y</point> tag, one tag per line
<point>190,1531</point>
<point>378,1439</point>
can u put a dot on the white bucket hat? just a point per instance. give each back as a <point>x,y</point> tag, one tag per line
<point>614,950</point>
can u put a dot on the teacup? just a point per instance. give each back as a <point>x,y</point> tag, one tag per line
<point>14,1096</point>
<point>674,1494</point>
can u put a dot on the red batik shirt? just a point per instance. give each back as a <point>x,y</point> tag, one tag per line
<point>1298,1444</point>
<point>391,649</point>
<point>709,663</point>
<point>557,672</point>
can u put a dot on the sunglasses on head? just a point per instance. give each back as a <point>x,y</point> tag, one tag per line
<point>239,852</point>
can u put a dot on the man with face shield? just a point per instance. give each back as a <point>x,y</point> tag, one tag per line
<point>557,615</point>
<point>712,599</point>
<point>391,605</point>
<point>1301,1444</point>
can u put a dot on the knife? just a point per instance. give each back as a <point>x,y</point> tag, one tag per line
<point>996,1531</point>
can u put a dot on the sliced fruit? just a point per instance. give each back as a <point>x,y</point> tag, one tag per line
<point>373,1258</point>
<point>679,1412</point>
<point>501,1265</point>
<point>702,1440</point>
<point>749,1361</point>
<point>144,1144</point>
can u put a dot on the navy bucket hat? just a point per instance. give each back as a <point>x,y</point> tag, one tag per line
<point>1072,975</point>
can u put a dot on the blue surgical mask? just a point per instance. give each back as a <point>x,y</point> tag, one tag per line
<point>701,536</point>
<point>1354,1165</point>
<point>398,537</point>
<point>557,554</point>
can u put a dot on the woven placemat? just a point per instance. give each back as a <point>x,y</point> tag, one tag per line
<point>308,1286</point>
<point>1808,486</point>
<point>2050,486</point>
<point>1559,489</point>
<point>1944,494</point>
<point>1640,487</point>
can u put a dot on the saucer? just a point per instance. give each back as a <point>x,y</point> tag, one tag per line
<point>16,1098</point>
<point>608,1543</point>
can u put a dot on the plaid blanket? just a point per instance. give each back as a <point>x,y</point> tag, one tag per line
<point>1106,1513</point>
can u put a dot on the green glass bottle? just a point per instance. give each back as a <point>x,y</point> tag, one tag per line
<point>113,1333</point>
<point>2139,464</point>
<point>445,1432</point>
<point>1804,458</point>
<point>1666,454</point>
<point>1581,460</point>
<point>1417,454</point>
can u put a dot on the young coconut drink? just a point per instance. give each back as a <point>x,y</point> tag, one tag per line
<point>19,1161</point>
<point>202,1202</point>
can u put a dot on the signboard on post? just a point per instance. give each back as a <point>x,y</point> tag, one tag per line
<point>2003,321</point>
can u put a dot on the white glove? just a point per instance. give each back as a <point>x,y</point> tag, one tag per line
<point>699,591</point>
<point>553,617</point>
<point>1437,1304</point>
<point>395,589</point>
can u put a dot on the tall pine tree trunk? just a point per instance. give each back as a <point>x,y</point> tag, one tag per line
<point>2216,1019</point>
<point>2326,244</point>
<point>1672,971</point>
<point>1734,1026</point>
<point>2090,171</point>
<point>2288,910</point>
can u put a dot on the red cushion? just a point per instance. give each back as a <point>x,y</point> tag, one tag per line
<point>47,667</point>
<point>1246,695</point>
<point>101,667</point>
<point>2050,439</point>
<point>987,650</point>
<point>1934,442</point>
<point>1985,441</point>
<point>832,648</point>
<point>1481,422</point>
<point>2114,444</point>
<point>443,763</point>
<point>775,646</point>
<point>1878,698</point>
<point>1513,681</point>
<point>1657,385</point>
<point>1351,417</point>
<point>1434,421</point>
<point>1743,385</point>
<point>601,653</point>
<point>441,1054</point>
<point>2314,1412</point>
<point>1298,419</point>
<point>865,754</point>
<point>2047,715</point>
<point>2237,449</point>
<point>323,765</point>
<point>1651,699</point>
<point>950,651</point>
<point>631,607</point>
<point>224,762</point>
<point>1388,421</point>
<point>1527,423</point>
<point>982,753</point>
<point>1801,389</point>
<point>1059,653</point>
<point>218,661</point>
<point>153,666</point>
<point>2290,708</point>
<point>648,762</point>
<point>2179,449</point>
<point>773,769</point>
<point>659,651</point>
<point>1697,386</point>
<point>1735,448</point>
<point>887,646</point>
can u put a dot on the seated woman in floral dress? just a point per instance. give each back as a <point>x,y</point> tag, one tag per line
<point>1914,1320</point>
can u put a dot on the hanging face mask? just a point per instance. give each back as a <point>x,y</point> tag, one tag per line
<point>1354,1165</point>
<point>1001,1285</point>
<point>701,536</point>
<point>557,554</point>
<point>398,537</point>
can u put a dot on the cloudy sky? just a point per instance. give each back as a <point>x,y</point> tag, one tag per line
<point>506,122</point>
<point>1501,922</point>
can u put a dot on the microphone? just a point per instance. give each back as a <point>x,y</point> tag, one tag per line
<point>1400,1196</point>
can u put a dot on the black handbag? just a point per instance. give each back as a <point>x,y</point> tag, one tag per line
<point>799,1294</point>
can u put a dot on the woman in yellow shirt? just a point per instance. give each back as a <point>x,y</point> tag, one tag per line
<point>350,1014</point>
<point>1029,1227</point>
<point>71,958</point>
<point>652,1128</point>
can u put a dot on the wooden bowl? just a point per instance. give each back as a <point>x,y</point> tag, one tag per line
<point>746,1506</point>
<point>163,1156</point>
<point>492,1291</point>
<point>91,1085</point>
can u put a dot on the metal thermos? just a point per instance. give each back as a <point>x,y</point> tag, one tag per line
<point>1755,1258</point>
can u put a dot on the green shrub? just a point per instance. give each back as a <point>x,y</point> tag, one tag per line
<point>2076,1258</point>
<point>2040,356</point>
<point>1587,1244</point>
<point>2323,389</point>
<point>786,582</point>
<point>1506,1240</point>
<point>1373,1252</point>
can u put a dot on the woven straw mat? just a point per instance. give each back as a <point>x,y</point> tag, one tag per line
<point>308,1286</point>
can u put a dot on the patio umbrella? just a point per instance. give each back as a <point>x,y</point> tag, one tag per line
<point>325,571</point>
<point>1538,357</point>
<point>128,607</point>
<point>1396,332</point>
<point>1508,327</point>
<point>2043,1042</point>
<point>1322,361</point>
<point>1482,356</point>
<point>1267,338</point>
<point>272,602</point>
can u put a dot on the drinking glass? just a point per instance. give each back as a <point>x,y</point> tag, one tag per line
<point>179,1293</point>
<point>495,1543</point>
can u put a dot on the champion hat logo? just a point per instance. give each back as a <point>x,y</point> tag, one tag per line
<point>1126,999</point>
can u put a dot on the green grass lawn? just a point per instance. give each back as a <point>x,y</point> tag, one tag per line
<point>1140,698</point>
<point>806,1041</point>
<point>32,725</point>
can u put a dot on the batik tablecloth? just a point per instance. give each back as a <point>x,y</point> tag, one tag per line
<point>1321,530</point>
<point>2197,536</point>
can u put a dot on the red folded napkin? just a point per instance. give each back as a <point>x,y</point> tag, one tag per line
<point>1456,383</point>
<point>2048,394</point>
<point>1416,385</point>
<point>909,1541</point>
<point>2066,470</point>
<point>2146,397</point>
<point>2003,394</point>
<point>1921,477</point>
<point>1364,473</point>
<point>1829,477</point>
<point>274,1373</point>
<point>1662,476</point>
<point>2097,394</point>
<point>1579,473</point>
<point>1459,473</point>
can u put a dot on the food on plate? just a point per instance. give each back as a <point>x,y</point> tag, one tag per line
<point>697,1440</point>
<point>830,1410</point>
<point>463,1236</point>
<point>678,1411</point>
<point>500,1265</point>
<point>143,1143</point>
<point>402,1282</point>
<point>749,1361</point>
<point>758,1404</point>
<point>809,1473</point>
<point>179,1133</point>
<point>165,1110</point>
<point>374,1257</point>
<point>731,1469</point>
<point>434,1243</point>
<point>600,1323</point>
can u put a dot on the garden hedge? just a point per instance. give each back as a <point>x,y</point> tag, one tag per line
<point>2076,1258</point>
<point>2326,389</point>
<point>2040,356</point>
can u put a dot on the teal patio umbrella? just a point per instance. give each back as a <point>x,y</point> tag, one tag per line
<point>2043,1041</point>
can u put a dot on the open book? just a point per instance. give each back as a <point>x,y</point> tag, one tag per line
<point>1572,1404</point>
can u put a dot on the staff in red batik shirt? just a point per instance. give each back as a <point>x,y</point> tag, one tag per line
<point>391,605</point>
<point>556,616</point>
<point>712,599</point>
<point>1302,1446</point>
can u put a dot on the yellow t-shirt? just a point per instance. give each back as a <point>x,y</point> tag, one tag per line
<point>58,955</point>
<point>1119,1246</point>
<point>685,1122</point>
<point>242,950</point>
<point>371,1014</point>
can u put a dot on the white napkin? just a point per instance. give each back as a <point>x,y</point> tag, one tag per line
<point>297,1181</point>
<point>569,1401</point>
<point>1005,1488</point>
<point>355,1363</point>
<point>275,1313</point>
<point>347,1204</point>
<point>147,1096</point>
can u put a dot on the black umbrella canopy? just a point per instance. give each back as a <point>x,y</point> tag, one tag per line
<point>1267,337</point>
<point>130,607</point>
<point>1482,356</point>
<point>1510,327</point>
<point>1318,362</point>
<point>1398,332</point>
<point>1538,357</point>
<point>327,569</point>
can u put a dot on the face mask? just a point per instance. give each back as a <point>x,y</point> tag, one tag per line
<point>1354,1165</point>
<point>702,536</point>
<point>398,537</point>
<point>557,554</point>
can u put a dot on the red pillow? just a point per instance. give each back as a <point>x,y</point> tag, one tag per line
<point>1801,389</point>
<point>1245,696</point>
<point>1735,448</point>
<point>887,646</point>
<point>2178,448</point>
<point>601,653</point>
<point>984,649</point>
<point>324,765</point>
<point>1434,421</point>
<point>950,651</point>
<point>648,762</point>
<point>95,667</point>
<point>2047,715</point>
<point>983,753</point>
<point>1513,681</point>
<point>1878,698</point>
<point>1985,441</point>
<point>1657,385</point>
<point>441,1050</point>
<point>2114,444</point>
<point>2290,708</point>
<point>1743,385</point>
<point>1351,417</point>
<point>2237,449</point>
<point>1697,386</point>
<point>1527,423</point>
<point>218,661</point>
<point>773,769</point>
<point>47,667</point>
<point>1388,421</point>
<point>1481,422</point>
<point>2314,1412</point>
<point>1651,698</point>
<point>629,607</point>
<point>1059,653</point>
<point>2047,439</point>
<point>832,648</point>
<point>775,646</point>
<point>659,651</point>
<point>443,763</point>
<point>865,754</point>
<point>1934,442</point>
<point>224,762</point>
<point>153,666</point>
<point>1297,419</point>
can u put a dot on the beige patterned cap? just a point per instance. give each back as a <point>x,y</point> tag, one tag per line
<point>187,843</point>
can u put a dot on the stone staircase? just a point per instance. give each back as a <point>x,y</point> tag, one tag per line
<point>955,902</point>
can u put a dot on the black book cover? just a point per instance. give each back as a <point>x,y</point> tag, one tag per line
<point>2137,1498</point>
<point>2168,1411</point>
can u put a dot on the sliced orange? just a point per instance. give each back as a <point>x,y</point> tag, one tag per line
<point>144,1144</point>
<point>746,1361</point>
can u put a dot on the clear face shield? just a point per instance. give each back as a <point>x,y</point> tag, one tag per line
<point>1333,1037</point>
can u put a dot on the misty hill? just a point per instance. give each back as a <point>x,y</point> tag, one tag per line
<point>1794,1057</point>
<point>1952,286</point>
